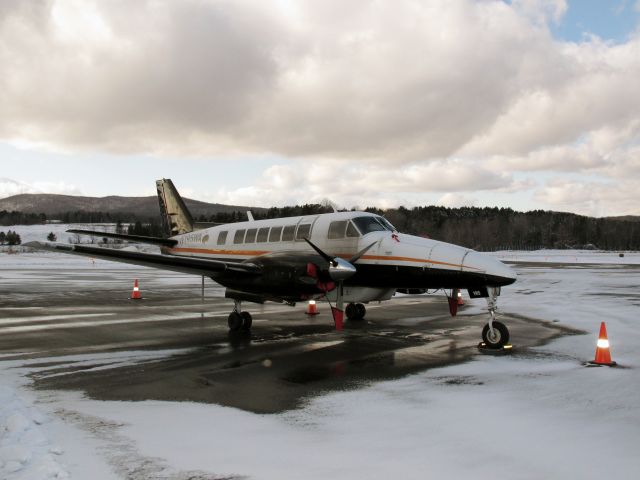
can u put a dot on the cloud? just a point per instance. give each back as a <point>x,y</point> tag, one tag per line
<point>593,198</point>
<point>541,11</point>
<point>436,97</point>
<point>400,81</point>
<point>9,187</point>
<point>363,184</point>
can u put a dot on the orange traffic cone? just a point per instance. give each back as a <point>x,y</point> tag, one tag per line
<point>312,308</point>
<point>135,294</point>
<point>460,301</point>
<point>603,355</point>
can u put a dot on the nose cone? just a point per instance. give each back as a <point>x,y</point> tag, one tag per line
<point>503,274</point>
<point>497,273</point>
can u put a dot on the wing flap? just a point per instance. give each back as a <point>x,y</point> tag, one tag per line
<point>196,266</point>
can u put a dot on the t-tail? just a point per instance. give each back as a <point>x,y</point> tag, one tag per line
<point>176,218</point>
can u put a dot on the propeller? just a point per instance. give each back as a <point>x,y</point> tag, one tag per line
<point>339,270</point>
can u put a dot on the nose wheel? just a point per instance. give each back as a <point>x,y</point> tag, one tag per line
<point>496,337</point>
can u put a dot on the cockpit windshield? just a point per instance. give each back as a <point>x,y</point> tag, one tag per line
<point>372,224</point>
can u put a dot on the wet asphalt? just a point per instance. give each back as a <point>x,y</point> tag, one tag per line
<point>52,319</point>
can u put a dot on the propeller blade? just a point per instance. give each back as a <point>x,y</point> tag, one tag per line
<point>357,256</point>
<point>328,258</point>
<point>339,268</point>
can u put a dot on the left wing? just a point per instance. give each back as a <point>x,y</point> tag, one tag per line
<point>165,242</point>
<point>196,266</point>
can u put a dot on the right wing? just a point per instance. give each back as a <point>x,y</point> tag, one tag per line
<point>196,266</point>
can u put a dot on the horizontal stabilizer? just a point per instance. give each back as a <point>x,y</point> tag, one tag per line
<point>165,242</point>
<point>197,266</point>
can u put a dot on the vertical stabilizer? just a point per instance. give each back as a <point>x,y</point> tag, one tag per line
<point>176,219</point>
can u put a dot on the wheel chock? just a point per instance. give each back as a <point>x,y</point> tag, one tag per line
<point>504,350</point>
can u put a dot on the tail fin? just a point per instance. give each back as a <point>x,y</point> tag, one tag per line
<point>176,219</point>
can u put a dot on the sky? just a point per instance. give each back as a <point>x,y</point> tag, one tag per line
<point>528,104</point>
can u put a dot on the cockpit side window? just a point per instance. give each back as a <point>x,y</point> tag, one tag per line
<point>387,224</point>
<point>369,224</point>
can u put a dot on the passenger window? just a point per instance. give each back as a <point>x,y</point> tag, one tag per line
<point>263,234</point>
<point>336,229</point>
<point>239,236</point>
<point>251,235</point>
<point>303,232</point>
<point>274,236</point>
<point>288,232</point>
<point>352,231</point>
<point>222,238</point>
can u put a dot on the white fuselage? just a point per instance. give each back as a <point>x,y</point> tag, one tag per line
<point>340,234</point>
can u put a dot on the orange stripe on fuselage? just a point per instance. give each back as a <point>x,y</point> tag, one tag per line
<point>255,253</point>
<point>251,253</point>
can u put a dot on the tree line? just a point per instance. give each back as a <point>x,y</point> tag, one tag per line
<point>482,229</point>
<point>10,238</point>
<point>488,229</point>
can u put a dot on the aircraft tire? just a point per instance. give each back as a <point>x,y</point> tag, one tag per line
<point>501,335</point>
<point>351,311</point>
<point>247,321</point>
<point>362,311</point>
<point>235,321</point>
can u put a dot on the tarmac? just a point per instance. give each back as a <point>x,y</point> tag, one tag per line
<point>50,317</point>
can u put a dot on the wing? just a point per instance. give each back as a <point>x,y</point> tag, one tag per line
<point>196,266</point>
<point>165,242</point>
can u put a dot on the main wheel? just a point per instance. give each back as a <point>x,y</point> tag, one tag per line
<point>247,320</point>
<point>362,311</point>
<point>351,311</point>
<point>235,321</point>
<point>500,335</point>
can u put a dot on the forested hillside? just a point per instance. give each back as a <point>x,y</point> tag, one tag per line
<point>492,228</point>
<point>478,228</point>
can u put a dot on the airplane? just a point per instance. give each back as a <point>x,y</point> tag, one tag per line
<point>350,257</point>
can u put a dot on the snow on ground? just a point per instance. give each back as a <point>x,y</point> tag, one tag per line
<point>30,233</point>
<point>571,256</point>
<point>539,414</point>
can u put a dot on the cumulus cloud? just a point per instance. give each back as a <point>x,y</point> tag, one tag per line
<point>438,96</point>
<point>360,184</point>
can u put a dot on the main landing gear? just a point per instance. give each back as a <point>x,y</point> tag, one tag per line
<point>239,320</point>
<point>355,312</point>
<point>495,335</point>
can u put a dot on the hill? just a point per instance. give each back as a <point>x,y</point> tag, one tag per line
<point>142,207</point>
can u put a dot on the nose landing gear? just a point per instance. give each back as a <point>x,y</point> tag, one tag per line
<point>495,335</point>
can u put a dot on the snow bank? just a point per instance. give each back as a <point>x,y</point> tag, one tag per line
<point>25,451</point>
